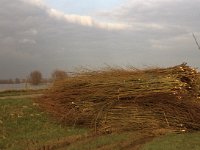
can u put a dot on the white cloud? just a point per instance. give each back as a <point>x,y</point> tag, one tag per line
<point>86,20</point>
<point>77,19</point>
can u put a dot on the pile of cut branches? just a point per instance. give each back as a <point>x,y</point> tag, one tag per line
<point>127,99</point>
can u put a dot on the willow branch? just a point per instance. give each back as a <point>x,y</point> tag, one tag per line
<point>196,41</point>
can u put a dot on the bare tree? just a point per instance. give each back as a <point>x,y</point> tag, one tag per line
<point>35,77</point>
<point>59,75</point>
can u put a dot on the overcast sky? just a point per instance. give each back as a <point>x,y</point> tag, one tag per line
<point>64,34</point>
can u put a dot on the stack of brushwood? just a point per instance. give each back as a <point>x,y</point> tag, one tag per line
<point>127,99</point>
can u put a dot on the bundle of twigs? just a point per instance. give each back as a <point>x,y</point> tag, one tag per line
<point>127,99</point>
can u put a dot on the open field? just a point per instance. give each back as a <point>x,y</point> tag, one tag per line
<point>24,125</point>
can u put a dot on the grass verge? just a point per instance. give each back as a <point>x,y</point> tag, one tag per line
<point>24,126</point>
<point>20,92</point>
<point>98,142</point>
<point>186,141</point>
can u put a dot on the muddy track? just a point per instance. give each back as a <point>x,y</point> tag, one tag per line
<point>60,144</point>
<point>134,143</point>
<point>131,144</point>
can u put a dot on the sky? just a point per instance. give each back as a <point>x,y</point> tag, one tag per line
<point>46,35</point>
<point>83,7</point>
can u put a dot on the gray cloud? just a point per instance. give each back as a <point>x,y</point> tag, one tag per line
<point>159,34</point>
<point>164,24</point>
<point>162,15</point>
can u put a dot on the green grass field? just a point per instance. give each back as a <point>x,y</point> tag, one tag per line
<point>187,141</point>
<point>24,126</point>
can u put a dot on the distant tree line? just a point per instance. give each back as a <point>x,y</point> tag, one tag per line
<point>36,78</point>
<point>10,81</point>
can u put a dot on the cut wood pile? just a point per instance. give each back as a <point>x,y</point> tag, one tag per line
<point>127,99</point>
